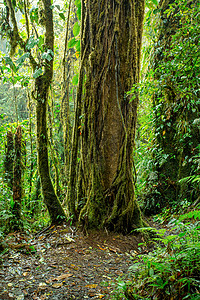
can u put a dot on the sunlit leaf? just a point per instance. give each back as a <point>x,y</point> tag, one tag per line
<point>76,29</point>
<point>75,80</point>
<point>22,58</point>
<point>154,1</point>
<point>72,43</point>
<point>48,55</point>
<point>32,42</point>
<point>37,73</point>
<point>77,2</point>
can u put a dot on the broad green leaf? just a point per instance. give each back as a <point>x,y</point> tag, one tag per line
<point>48,55</point>
<point>57,6</point>
<point>72,43</point>
<point>34,14</point>
<point>78,12</point>
<point>76,29</point>
<point>22,58</point>
<point>8,61</point>
<point>41,41</point>
<point>75,80</point>
<point>23,34</point>
<point>154,2</point>
<point>37,73</point>
<point>151,272</point>
<point>62,16</point>
<point>32,42</point>
<point>78,46</point>
<point>155,11</point>
<point>23,21</point>
<point>77,3</point>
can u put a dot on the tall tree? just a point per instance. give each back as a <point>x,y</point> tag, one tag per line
<point>17,181</point>
<point>9,159</point>
<point>42,72</point>
<point>105,116</point>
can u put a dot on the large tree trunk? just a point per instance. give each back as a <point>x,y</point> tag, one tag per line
<point>111,44</point>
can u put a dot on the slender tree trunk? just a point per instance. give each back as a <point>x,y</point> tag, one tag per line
<point>42,84</point>
<point>17,181</point>
<point>9,159</point>
<point>65,113</point>
<point>31,149</point>
<point>53,152</point>
<point>111,45</point>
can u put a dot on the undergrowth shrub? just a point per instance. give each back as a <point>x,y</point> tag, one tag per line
<point>172,270</point>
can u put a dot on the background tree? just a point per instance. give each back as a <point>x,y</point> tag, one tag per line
<point>105,116</point>
<point>9,159</point>
<point>16,221</point>
<point>173,84</point>
<point>42,67</point>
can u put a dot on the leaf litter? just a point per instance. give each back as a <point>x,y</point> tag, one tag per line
<point>61,263</point>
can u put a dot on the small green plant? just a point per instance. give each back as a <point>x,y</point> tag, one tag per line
<point>172,270</point>
<point>120,287</point>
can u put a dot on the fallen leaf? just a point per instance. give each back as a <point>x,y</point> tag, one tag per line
<point>106,277</point>
<point>102,248</point>
<point>69,239</point>
<point>41,284</point>
<point>91,286</point>
<point>20,297</point>
<point>113,250</point>
<point>57,285</point>
<point>63,276</point>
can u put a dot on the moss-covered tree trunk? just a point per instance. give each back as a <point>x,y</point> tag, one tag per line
<point>9,159</point>
<point>31,166</point>
<point>42,84</point>
<point>54,156</point>
<point>111,46</point>
<point>65,111</point>
<point>16,223</point>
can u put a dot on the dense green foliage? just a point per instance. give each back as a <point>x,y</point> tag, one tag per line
<point>171,270</point>
<point>168,134</point>
<point>167,152</point>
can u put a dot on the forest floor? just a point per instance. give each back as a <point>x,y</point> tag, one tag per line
<point>61,263</point>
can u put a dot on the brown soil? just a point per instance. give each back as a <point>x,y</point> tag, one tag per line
<point>60,263</point>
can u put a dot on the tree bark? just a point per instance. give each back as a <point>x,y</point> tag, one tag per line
<point>9,159</point>
<point>16,223</point>
<point>111,46</point>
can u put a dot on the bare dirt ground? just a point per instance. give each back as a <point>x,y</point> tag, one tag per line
<point>61,263</point>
